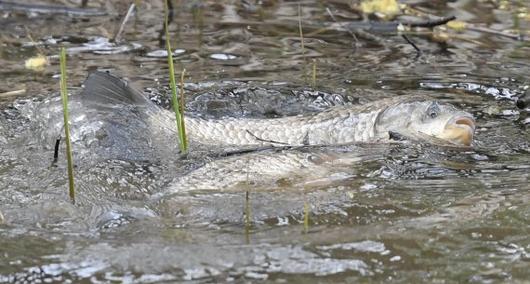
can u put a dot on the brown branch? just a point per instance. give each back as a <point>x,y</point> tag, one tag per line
<point>429,23</point>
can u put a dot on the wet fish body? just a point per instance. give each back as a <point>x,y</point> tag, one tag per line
<point>418,116</point>
<point>112,120</point>
<point>336,126</point>
<point>301,168</point>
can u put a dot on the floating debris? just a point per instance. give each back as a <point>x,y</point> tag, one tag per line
<point>13,93</point>
<point>457,25</point>
<point>162,53</point>
<point>382,8</point>
<point>37,63</point>
<point>102,45</point>
<point>223,56</point>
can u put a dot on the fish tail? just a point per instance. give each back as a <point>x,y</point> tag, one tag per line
<point>105,89</point>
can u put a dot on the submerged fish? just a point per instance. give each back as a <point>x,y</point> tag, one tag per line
<point>112,120</point>
<point>411,116</point>
<point>302,168</point>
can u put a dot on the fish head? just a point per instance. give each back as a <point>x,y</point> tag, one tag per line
<point>432,118</point>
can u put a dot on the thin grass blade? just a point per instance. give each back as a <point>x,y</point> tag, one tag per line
<point>175,102</point>
<point>64,97</point>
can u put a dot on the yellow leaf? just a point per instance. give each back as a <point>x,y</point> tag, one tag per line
<point>456,25</point>
<point>388,8</point>
<point>36,63</point>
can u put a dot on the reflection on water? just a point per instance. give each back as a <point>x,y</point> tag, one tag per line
<point>406,212</point>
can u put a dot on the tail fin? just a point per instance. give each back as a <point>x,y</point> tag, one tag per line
<point>105,89</point>
<point>103,92</point>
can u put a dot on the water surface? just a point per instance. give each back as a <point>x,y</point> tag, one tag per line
<point>403,212</point>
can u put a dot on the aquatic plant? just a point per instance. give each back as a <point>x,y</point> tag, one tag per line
<point>64,97</point>
<point>181,105</point>
<point>177,106</point>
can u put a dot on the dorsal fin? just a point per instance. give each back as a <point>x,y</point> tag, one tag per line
<point>105,89</point>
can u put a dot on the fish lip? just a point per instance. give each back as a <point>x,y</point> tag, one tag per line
<point>462,121</point>
<point>460,129</point>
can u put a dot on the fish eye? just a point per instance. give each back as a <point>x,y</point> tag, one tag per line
<point>433,110</point>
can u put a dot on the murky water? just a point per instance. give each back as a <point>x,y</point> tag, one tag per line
<point>404,212</point>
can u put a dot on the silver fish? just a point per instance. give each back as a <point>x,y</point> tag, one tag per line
<point>272,169</point>
<point>413,116</point>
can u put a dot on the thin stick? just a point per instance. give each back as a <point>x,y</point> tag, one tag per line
<point>13,93</point>
<point>64,96</point>
<point>346,28</point>
<point>430,23</point>
<point>418,51</point>
<point>495,32</point>
<point>39,49</point>
<point>300,30</point>
<point>301,38</point>
<point>117,37</point>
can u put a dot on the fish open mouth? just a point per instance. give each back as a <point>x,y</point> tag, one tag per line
<point>459,130</point>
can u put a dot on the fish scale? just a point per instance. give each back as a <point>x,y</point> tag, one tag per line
<point>338,126</point>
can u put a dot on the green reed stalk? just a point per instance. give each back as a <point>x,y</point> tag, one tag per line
<point>64,97</point>
<point>181,105</point>
<point>176,105</point>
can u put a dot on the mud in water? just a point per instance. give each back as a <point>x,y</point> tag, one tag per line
<point>399,212</point>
